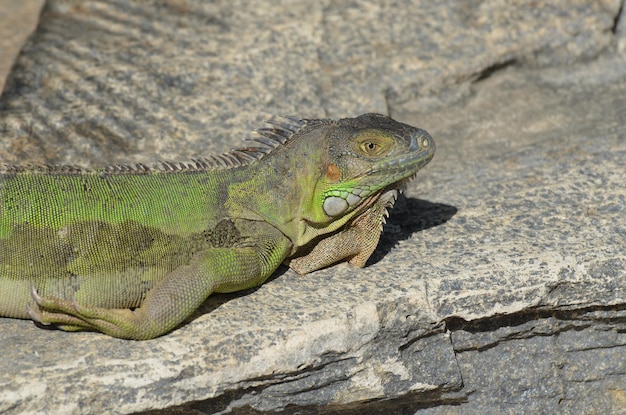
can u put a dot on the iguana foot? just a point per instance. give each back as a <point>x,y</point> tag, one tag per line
<point>38,313</point>
<point>70,316</point>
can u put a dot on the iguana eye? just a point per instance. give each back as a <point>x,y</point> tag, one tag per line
<point>374,143</point>
<point>369,147</point>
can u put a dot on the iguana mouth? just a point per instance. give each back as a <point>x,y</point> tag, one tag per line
<point>396,177</point>
<point>420,151</point>
<point>389,194</point>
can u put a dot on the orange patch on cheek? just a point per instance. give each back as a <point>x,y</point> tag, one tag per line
<point>333,173</point>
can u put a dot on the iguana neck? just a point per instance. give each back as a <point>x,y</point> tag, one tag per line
<point>274,193</point>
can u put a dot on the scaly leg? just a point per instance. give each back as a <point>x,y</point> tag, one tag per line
<point>172,300</point>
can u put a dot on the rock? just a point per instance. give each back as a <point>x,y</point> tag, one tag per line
<point>499,285</point>
<point>530,271</point>
<point>620,31</point>
<point>18,19</point>
<point>102,81</point>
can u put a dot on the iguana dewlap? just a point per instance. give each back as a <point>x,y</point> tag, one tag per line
<point>133,251</point>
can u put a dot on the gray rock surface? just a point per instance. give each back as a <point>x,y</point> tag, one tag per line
<point>100,81</point>
<point>18,19</point>
<point>499,286</point>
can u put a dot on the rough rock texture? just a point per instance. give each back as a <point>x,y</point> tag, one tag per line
<point>500,283</point>
<point>102,79</point>
<point>18,19</point>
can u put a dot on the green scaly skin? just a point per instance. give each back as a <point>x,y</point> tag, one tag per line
<point>133,251</point>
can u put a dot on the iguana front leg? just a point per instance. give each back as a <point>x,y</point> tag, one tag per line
<point>173,299</point>
<point>356,243</point>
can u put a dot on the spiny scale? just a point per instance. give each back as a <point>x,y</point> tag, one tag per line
<point>270,138</point>
<point>390,203</point>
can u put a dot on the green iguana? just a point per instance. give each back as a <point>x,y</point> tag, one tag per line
<point>132,251</point>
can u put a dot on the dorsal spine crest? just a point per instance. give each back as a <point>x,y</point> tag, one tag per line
<point>282,130</point>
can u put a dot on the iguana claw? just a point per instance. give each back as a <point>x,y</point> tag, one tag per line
<point>35,315</point>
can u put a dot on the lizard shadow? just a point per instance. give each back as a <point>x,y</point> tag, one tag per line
<point>408,216</point>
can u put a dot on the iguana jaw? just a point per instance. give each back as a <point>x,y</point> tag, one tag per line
<point>398,171</point>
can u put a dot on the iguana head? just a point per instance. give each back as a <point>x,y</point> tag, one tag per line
<point>368,157</point>
<point>364,161</point>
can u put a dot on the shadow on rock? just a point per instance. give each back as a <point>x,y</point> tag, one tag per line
<point>409,216</point>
